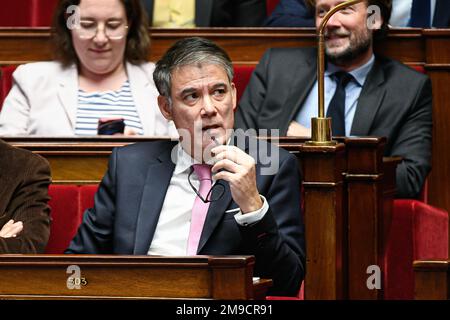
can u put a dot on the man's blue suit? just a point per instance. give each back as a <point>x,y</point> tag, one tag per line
<point>295,13</point>
<point>132,192</point>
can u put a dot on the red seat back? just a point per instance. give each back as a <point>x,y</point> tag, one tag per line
<point>242,76</point>
<point>68,203</point>
<point>418,232</point>
<point>27,13</point>
<point>5,82</point>
<point>270,5</point>
<point>420,69</point>
<point>64,204</point>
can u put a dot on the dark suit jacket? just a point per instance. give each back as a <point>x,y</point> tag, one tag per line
<point>294,13</point>
<point>224,13</point>
<point>395,102</point>
<point>442,14</point>
<point>131,195</point>
<point>23,197</point>
<point>291,13</point>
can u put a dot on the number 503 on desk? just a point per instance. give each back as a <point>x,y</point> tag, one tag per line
<point>75,281</point>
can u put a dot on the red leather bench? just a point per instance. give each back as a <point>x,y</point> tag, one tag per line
<point>68,203</point>
<point>27,13</point>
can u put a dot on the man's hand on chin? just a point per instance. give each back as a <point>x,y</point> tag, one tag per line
<point>239,171</point>
<point>11,229</point>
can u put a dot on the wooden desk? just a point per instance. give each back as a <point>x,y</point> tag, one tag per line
<point>432,280</point>
<point>346,187</point>
<point>130,277</point>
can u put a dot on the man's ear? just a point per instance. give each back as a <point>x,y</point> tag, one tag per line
<point>234,95</point>
<point>165,107</point>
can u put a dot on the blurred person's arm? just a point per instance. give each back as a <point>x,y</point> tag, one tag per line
<point>24,197</point>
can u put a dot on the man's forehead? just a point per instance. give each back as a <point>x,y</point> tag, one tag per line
<point>199,73</point>
<point>199,67</point>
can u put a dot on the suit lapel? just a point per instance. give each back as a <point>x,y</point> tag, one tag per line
<point>370,99</point>
<point>68,92</point>
<point>441,17</point>
<point>152,200</point>
<point>298,92</point>
<point>203,11</point>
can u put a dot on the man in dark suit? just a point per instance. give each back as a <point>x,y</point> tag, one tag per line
<point>296,13</point>
<point>159,197</point>
<point>223,13</point>
<point>381,98</point>
<point>24,214</point>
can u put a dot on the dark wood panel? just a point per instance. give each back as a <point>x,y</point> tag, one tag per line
<point>325,217</point>
<point>432,280</point>
<point>130,277</point>
<point>437,46</point>
<point>244,45</point>
<point>439,186</point>
<point>438,68</point>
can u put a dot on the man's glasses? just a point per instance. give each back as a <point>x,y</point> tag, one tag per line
<point>211,196</point>
<point>88,30</point>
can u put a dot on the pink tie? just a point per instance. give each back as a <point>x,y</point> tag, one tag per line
<point>200,209</point>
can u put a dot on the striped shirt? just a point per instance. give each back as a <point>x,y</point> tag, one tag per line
<point>108,104</point>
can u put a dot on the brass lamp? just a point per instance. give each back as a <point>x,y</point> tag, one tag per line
<point>321,134</point>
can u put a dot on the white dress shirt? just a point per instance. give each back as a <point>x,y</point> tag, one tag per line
<point>172,231</point>
<point>352,92</point>
<point>401,12</point>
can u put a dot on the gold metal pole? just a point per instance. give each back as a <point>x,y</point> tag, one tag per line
<point>321,127</point>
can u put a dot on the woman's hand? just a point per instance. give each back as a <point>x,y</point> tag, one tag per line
<point>11,229</point>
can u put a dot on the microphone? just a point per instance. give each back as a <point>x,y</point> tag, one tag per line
<point>321,134</point>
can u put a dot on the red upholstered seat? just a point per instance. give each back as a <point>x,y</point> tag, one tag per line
<point>418,232</point>
<point>68,203</point>
<point>65,205</point>
<point>242,76</point>
<point>300,295</point>
<point>5,82</point>
<point>270,5</point>
<point>420,69</point>
<point>27,13</point>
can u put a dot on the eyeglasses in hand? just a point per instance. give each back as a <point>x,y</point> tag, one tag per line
<point>211,196</point>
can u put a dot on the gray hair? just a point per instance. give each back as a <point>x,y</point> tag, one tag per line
<point>189,51</point>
